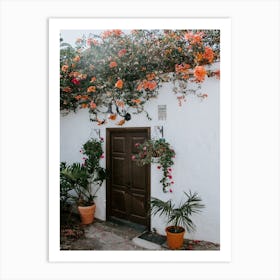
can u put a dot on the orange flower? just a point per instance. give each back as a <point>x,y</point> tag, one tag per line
<point>151,76</point>
<point>199,73</point>
<point>117,32</point>
<point>112,117</point>
<point>151,85</point>
<point>113,64</point>
<point>120,103</point>
<point>122,52</point>
<point>188,36</point>
<point>199,57</point>
<point>137,101</point>
<point>74,74</point>
<point>92,41</point>
<point>168,51</point>
<point>196,39</point>
<point>140,86</point>
<point>76,59</point>
<point>82,76</point>
<point>84,105</point>
<point>182,68</point>
<point>84,97</point>
<point>78,97</point>
<point>179,49</point>
<point>121,122</point>
<point>208,54</point>
<point>91,89</point>
<point>64,68</point>
<point>106,34</point>
<point>92,105</point>
<point>67,89</point>
<point>93,79</point>
<point>119,84</point>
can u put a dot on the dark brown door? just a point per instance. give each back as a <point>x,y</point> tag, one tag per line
<point>128,188</point>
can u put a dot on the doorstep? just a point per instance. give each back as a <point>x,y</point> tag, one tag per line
<point>146,244</point>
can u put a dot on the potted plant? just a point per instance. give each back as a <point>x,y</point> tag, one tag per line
<point>157,151</point>
<point>179,218</point>
<point>86,179</point>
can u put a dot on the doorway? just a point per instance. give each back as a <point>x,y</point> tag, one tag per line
<point>128,185</point>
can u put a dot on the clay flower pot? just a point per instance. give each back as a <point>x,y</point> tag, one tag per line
<point>175,240</point>
<point>87,213</point>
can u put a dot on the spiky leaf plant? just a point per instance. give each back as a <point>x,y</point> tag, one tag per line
<point>178,216</point>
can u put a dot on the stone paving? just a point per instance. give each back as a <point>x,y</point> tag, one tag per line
<point>111,236</point>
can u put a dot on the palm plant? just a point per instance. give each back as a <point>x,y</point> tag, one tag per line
<point>78,176</point>
<point>179,216</point>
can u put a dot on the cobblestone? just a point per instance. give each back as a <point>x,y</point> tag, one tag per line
<point>110,236</point>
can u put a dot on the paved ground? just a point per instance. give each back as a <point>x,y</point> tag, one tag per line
<point>112,236</point>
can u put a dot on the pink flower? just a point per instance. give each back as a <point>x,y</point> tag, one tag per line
<point>137,144</point>
<point>144,148</point>
<point>169,176</point>
<point>159,167</point>
<point>102,156</point>
<point>169,169</point>
<point>170,190</point>
<point>101,138</point>
<point>133,157</point>
<point>190,247</point>
<point>172,182</point>
<point>122,52</point>
<point>75,81</point>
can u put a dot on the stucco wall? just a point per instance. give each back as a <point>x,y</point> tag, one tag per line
<point>192,130</point>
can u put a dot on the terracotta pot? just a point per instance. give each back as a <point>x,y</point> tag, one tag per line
<point>87,213</point>
<point>174,240</point>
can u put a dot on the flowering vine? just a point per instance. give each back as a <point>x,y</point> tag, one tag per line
<point>160,152</point>
<point>115,73</point>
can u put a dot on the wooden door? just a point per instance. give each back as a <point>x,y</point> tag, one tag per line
<point>128,188</point>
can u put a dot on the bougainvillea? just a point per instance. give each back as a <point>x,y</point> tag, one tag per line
<point>119,71</point>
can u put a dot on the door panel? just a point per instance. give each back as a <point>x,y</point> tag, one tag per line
<point>137,180</point>
<point>118,145</point>
<point>128,188</point>
<point>119,168</point>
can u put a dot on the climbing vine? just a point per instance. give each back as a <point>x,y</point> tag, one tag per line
<point>114,74</point>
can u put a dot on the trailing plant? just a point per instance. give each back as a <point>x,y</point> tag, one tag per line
<point>178,216</point>
<point>121,71</point>
<point>86,178</point>
<point>160,152</point>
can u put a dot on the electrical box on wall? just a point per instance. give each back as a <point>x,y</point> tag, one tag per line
<point>162,114</point>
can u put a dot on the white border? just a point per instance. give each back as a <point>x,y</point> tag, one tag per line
<point>224,255</point>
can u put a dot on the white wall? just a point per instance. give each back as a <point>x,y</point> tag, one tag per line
<point>192,130</point>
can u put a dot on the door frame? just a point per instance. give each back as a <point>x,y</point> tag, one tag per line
<point>108,167</point>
